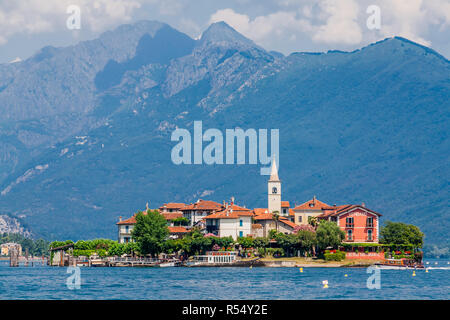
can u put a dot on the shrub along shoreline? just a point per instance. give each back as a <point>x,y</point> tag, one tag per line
<point>323,242</point>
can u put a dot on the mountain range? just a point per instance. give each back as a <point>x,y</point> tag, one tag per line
<point>85,130</point>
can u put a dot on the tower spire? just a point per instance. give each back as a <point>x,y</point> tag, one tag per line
<point>274,171</point>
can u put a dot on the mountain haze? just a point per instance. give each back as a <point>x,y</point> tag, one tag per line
<point>85,130</point>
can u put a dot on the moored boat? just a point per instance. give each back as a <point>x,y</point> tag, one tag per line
<point>170,263</point>
<point>400,264</point>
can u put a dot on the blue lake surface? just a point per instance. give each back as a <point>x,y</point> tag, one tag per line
<point>42,282</point>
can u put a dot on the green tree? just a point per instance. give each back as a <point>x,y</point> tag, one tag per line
<point>288,242</point>
<point>181,221</point>
<point>313,221</point>
<point>246,242</point>
<point>261,242</point>
<point>399,233</point>
<point>307,241</point>
<point>149,232</point>
<point>195,243</point>
<point>224,242</point>
<point>329,234</point>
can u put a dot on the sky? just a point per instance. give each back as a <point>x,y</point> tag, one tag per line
<point>281,25</point>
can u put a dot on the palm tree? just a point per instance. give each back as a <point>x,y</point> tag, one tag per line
<point>276,218</point>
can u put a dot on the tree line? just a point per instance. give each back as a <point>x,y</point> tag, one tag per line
<point>36,248</point>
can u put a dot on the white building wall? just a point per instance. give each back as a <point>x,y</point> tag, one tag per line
<point>231,227</point>
<point>124,233</point>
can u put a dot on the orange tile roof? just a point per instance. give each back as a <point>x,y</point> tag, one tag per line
<point>332,211</point>
<point>287,222</point>
<point>178,230</point>
<point>232,212</point>
<point>172,205</point>
<point>312,204</point>
<point>131,220</point>
<point>172,215</point>
<point>285,204</point>
<point>256,226</point>
<point>202,205</point>
<point>259,211</point>
<point>264,216</point>
<point>291,212</point>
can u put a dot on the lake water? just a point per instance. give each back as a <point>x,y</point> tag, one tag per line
<point>223,283</point>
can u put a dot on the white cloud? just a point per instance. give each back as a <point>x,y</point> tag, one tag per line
<point>37,16</point>
<point>405,18</point>
<point>262,28</point>
<point>413,19</point>
<point>341,23</point>
<point>337,23</point>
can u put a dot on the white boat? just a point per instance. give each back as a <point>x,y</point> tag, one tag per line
<point>170,263</point>
<point>213,258</point>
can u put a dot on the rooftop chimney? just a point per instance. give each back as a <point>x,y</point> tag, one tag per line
<point>363,204</point>
<point>146,207</point>
<point>120,218</point>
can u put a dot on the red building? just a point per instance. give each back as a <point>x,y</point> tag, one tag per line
<point>360,224</point>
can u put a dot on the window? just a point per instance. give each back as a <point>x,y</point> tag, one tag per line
<point>284,210</point>
<point>350,235</point>
<point>370,235</point>
<point>349,222</point>
<point>241,234</point>
<point>369,222</point>
<point>274,190</point>
<point>241,223</point>
<point>299,219</point>
<point>127,229</point>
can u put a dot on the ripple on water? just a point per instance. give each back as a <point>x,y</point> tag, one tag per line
<point>220,283</point>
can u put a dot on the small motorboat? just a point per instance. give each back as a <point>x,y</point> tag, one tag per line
<point>400,264</point>
<point>170,263</point>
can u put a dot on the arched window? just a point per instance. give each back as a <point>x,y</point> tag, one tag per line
<point>274,190</point>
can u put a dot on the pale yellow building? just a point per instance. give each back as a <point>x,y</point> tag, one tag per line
<point>304,212</point>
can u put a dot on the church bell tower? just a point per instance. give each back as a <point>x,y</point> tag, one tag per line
<point>274,190</point>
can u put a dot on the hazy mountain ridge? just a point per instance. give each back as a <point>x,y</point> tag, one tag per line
<point>369,125</point>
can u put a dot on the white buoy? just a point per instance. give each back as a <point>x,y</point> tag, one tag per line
<point>435,263</point>
<point>325,284</point>
<point>428,262</point>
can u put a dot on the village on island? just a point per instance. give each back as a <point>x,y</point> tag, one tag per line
<point>209,233</point>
